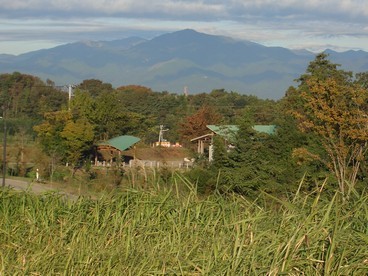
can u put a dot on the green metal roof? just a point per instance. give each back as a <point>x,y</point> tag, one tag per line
<point>121,142</point>
<point>268,129</point>
<point>228,131</point>
<point>225,131</point>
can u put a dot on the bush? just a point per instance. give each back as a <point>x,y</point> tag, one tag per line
<point>204,179</point>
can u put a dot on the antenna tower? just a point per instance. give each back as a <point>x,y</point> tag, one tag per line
<point>186,91</point>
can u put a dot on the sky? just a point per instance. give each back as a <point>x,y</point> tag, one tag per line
<point>315,25</point>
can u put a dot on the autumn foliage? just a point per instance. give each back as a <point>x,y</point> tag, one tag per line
<point>333,107</point>
<point>196,125</point>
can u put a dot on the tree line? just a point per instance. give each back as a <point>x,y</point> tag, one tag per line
<point>321,126</point>
<point>322,134</point>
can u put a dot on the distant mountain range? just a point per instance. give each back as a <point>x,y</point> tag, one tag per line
<point>176,60</point>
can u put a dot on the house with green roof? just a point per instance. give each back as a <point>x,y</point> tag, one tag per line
<point>112,149</point>
<point>227,132</point>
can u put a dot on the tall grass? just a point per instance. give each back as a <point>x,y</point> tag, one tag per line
<point>166,231</point>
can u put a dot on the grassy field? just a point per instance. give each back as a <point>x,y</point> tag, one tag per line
<point>173,231</point>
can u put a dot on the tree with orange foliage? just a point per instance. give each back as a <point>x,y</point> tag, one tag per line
<point>196,124</point>
<point>333,107</point>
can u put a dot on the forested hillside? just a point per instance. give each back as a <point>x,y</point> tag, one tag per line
<point>66,130</point>
<point>320,128</point>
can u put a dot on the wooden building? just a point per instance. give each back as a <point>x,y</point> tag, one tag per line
<point>111,150</point>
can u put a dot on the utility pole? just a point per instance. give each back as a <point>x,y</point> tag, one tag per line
<point>186,92</point>
<point>161,134</point>
<point>70,91</point>
<point>4,145</point>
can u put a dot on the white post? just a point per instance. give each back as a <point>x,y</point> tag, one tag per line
<point>70,91</point>
<point>210,153</point>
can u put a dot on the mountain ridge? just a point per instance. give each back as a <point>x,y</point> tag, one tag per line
<point>172,61</point>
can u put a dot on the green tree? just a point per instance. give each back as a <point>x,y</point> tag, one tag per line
<point>26,96</point>
<point>49,132</point>
<point>64,139</point>
<point>50,139</point>
<point>361,79</point>
<point>78,137</point>
<point>220,154</point>
<point>107,115</point>
<point>95,87</point>
<point>333,107</point>
<point>82,104</point>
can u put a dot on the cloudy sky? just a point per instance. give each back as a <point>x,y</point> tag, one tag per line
<point>27,25</point>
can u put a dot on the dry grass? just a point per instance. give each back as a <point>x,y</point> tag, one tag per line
<point>159,154</point>
<point>172,231</point>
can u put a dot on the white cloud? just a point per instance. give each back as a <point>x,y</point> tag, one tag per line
<point>167,8</point>
<point>345,10</point>
<point>287,23</point>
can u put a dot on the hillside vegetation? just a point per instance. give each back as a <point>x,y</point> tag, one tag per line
<point>320,131</point>
<point>293,201</point>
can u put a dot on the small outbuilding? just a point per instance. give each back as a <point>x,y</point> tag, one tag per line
<point>111,150</point>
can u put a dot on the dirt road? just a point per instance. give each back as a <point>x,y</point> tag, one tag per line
<point>34,187</point>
